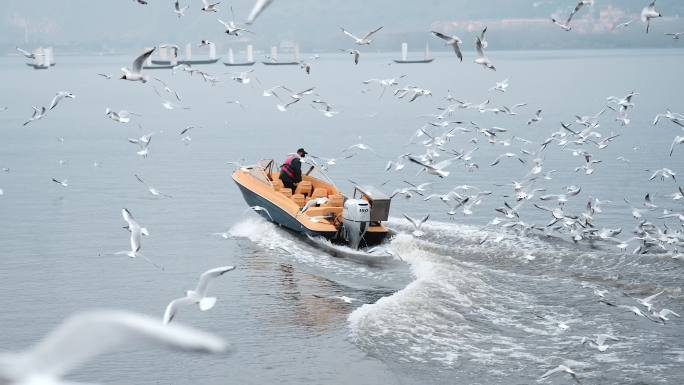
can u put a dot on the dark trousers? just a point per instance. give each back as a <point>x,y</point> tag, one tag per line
<point>287,182</point>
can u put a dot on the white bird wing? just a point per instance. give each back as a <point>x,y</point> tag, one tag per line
<point>140,60</point>
<point>651,297</point>
<point>172,308</point>
<point>259,7</point>
<point>559,368</point>
<point>369,34</point>
<point>128,217</point>
<point>136,175</point>
<point>86,335</point>
<point>478,47</point>
<point>56,100</point>
<point>24,52</point>
<point>442,36</point>
<point>349,34</point>
<point>413,221</point>
<point>208,275</point>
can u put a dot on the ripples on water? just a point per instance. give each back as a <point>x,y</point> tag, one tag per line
<point>452,310</point>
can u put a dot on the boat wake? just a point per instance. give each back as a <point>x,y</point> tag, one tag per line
<point>504,305</point>
<point>510,305</point>
<point>283,244</point>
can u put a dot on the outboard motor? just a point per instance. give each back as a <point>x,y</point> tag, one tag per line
<point>356,219</point>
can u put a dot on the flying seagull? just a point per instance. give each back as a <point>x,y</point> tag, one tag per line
<point>135,73</point>
<point>649,13</point>
<point>86,335</point>
<point>60,95</point>
<point>365,40</point>
<point>453,41</point>
<point>197,296</point>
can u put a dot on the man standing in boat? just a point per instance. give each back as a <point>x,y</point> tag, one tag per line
<point>291,170</point>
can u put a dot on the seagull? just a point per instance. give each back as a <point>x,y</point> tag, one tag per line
<point>37,114</point>
<point>27,54</point>
<point>313,202</point>
<point>506,155</point>
<point>482,59</point>
<point>565,26</point>
<point>511,110</point>
<point>675,35</point>
<point>366,40</point>
<point>417,224</point>
<point>664,173</point>
<point>151,189</point>
<point>136,232</point>
<point>355,52</point>
<point>649,13</point>
<point>141,2</point>
<point>210,7</point>
<point>135,74</point>
<point>166,88</point>
<point>600,341</point>
<point>259,7</point>
<point>561,368</point>
<point>327,110</point>
<point>106,76</point>
<point>647,302</point>
<point>122,116</point>
<point>453,41</point>
<point>59,96</point>
<point>63,183</point>
<point>261,208</point>
<point>86,335</point>
<point>231,28</point>
<point>180,12</point>
<point>433,169</point>
<point>635,310</point>
<point>536,118</point>
<point>500,86</point>
<point>662,315</point>
<point>197,296</point>
<point>677,140</point>
<point>242,77</point>
<point>623,25</point>
<point>296,97</point>
<point>674,117</point>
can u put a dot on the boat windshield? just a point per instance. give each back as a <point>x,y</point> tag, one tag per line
<point>309,168</point>
<point>262,170</point>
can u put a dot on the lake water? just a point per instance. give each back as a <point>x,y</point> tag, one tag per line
<point>453,310</point>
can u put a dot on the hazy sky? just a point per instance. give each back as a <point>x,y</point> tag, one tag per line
<point>121,24</point>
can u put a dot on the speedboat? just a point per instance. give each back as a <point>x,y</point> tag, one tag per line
<point>316,209</point>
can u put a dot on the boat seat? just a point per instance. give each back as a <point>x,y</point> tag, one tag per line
<point>324,211</point>
<point>278,185</point>
<point>304,187</point>
<point>319,192</point>
<point>286,191</point>
<point>334,201</point>
<point>299,199</point>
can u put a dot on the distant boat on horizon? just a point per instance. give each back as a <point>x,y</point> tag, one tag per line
<point>404,55</point>
<point>187,59</point>
<point>45,58</point>
<point>231,59</point>
<point>274,58</point>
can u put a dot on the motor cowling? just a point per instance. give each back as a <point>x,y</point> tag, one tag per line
<point>356,219</point>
